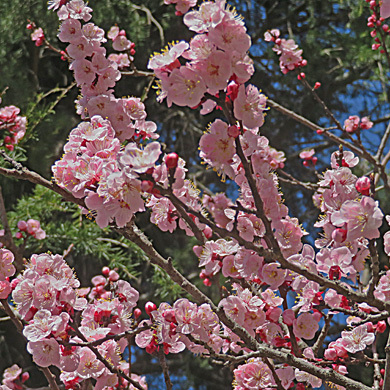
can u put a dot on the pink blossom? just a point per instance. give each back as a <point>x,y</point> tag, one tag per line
<point>41,326</point>
<point>89,366</point>
<point>357,339</point>
<point>182,6</point>
<point>121,43</point>
<point>253,375</point>
<point>385,9</point>
<point>5,289</point>
<point>230,36</point>
<point>165,61</point>
<point>209,15</point>
<point>351,124</point>
<point>249,106</point>
<point>7,269</point>
<point>46,352</point>
<point>132,158</point>
<point>184,87</point>
<point>305,326</point>
<point>217,147</point>
<point>272,275</point>
<point>363,218</point>
<point>70,31</point>
<point>348,159</point>
<point>75,9</point>
<point>215,70</point>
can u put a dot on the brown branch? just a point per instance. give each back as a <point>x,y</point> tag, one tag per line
<point>22,173</point>
<point>382,145</point>
<point>386,381</point>
<point>135,235</point>
<point>292,180</point>
<point>324,332</point>
<point>164,366</point>
<point>362,152</point>
<point>7,239</point>
<point>106,364</point>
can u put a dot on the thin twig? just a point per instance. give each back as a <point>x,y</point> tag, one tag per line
<point>164,366</point>
<point>386,381</point>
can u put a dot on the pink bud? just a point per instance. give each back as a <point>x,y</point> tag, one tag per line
<point>22,225</point>
<point>208,232</point>
<point>113,276</point>
<point>334,272</point>
<point>146,186</point>
<point>25,376</point>
<point>233,131</point>
<point>380,326</point>
<point>10,147</point>
<point>171,160</point>
<point>317,85</point>
<point>105,271</point>
<point>137,312</point>
<point>18,235</point>
<point>5,289</point>
<point>370,327</point>
<point>385,28</point>
<point>207,282</point>
<point>339,235</point>
<point>149,307</point>
<point>330,354</point>
<point>14,283</point>
<point>170,316</point>
<point>363,185</point>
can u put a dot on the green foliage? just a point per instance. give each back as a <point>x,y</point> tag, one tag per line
<point>66,227</point>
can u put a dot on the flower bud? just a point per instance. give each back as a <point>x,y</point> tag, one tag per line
<point>113,276</point>
<point>380,326</point>
<point>339,235</point>
<point>105,271</point>
<point>149,307</point>
<point>171,160</point>
<point>363,185</point>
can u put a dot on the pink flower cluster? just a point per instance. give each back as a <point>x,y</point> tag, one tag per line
<point>7,270</point>
<point>30,228</point>
<point>14,377</point>
<point>182,6</point>
<point>92,166</point>
<point>217,55</point>
<point>380,11</point>
<point>354,123</point>
<point>309,160</point>
<point>349,220</point>
<point>47,298</point>
<point>13,125</point>
<point>119,40</point>
<point>290,54</point>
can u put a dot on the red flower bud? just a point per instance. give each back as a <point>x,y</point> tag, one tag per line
<point>149,307</point>
<point>105,271</point>
<point>171,160</point>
